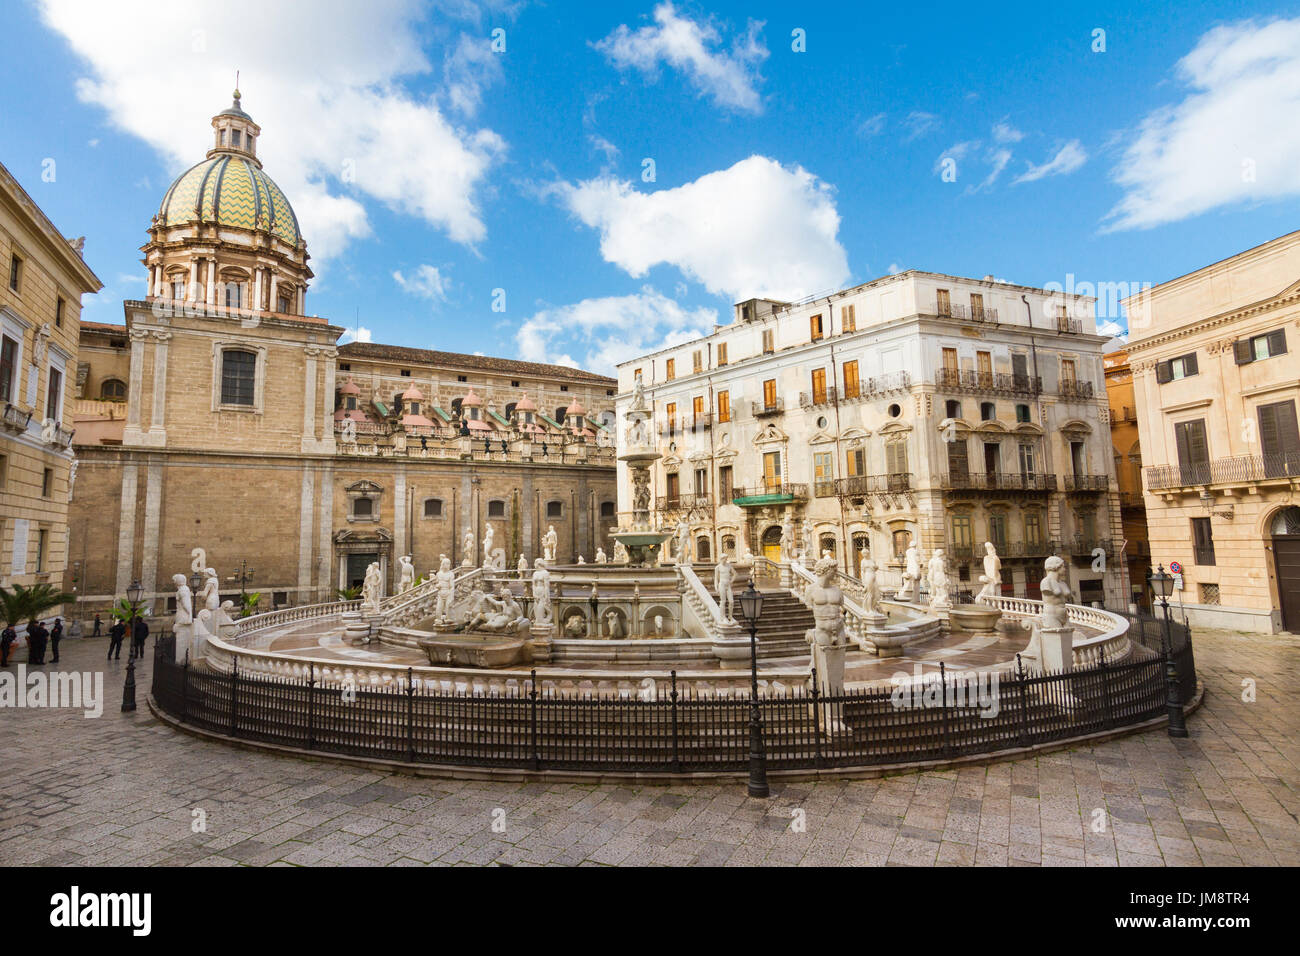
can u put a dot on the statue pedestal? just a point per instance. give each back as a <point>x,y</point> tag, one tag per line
<point>1056,648</point>
<point>184,641</point>
<point>828,659</point>
<point>355,630</point>
<point>539,644</point>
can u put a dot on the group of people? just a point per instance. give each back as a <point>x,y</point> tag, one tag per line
<point>41,639</point>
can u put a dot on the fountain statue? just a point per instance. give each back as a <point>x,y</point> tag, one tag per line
<point>1055,635</point>
<point>827,635</point>
<point>372,588</point>
<point>870,588</point>
<point>601,557</point>
<point>641,541</point>
<point>938,572</point>
<point>467,546</point>
<point>541,594</point>
<point>912,575</point>
<point>489,536</point>
<point>446,582</point>
<point>683,542</point>
<point>550,542</point>
<point>406,579</point>
<point>724,576</point>
<point>992,565</point>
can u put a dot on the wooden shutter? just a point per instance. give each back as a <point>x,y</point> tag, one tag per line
<point>1277,342</point>
<point>1241,352</point>
<point>1164,373</point>
<point>1189,364</point>
<point>1278,432</point>
<point>1193,454</point>
<point>957,462</point>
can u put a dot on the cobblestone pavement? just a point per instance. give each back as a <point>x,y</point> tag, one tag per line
<point>124,789</point>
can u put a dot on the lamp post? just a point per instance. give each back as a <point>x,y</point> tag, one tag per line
<point>1162,585</point>
<point>751,606</point>
<point>244,576</point>
<point>128,687</point>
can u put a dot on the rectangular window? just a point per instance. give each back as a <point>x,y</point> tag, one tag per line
<point>1027,460</point>
<point>998,531</point>
<point>724,484</point>
<point>849,318</point>
<point>1193,452</point>
<point>950,360</point>
<point>819,386</point>
<point>724,406</point>
<point>1020,370</point>
<point>8,368</point>
<point>722,354</point>
<point>855,462</point>
<point>1202,541</point>
<point>238,376</point>
<point>697,360</point>
<point>1034,529</point>
<point>697,409</point>
<point>1259,347</point>
<point>772,470</point>
<point>977,306</point>
<point>15,272</point>
<point>984,366</point>
<point>42,548</point>
<point>823,474</point>
<point>851,385</point>
<point>47,483</point>
<point>670,369</point>
<point>769,393</point>
<point>701,481</point>
<point>1069,374</point>
<point>815,327</point>
<point>1184,366</point>
<point>4,472</point>
<point>896,458</point>
<point>670,413</point>
<point>961,532</point>
<point>54,396</point>
<point>1279,439</point>
<point>58,312</point>
<point>769,345</point>
<point>672,487</point>
<point>942,302</point>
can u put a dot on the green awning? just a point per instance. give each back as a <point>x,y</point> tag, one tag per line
<point>550,421</point>
<point>380,407</point>
<point>601,425</point>
<point>499,419</point>
<point>441,414</point>
<point>761,501</point>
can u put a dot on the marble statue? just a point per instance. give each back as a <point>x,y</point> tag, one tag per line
<point>989,590</point>
<point>620,553</point>
<point>446,582</point>
<point>638,395</point>
<point>827,602</point>
<point>72,477</point>
<point>615,625</point>
<point>659,625</point>
<point>499,613</point>
<point>550,542</point>
<point>870,586</point>
<point>1056,594</point>
<point>224,615</point>
<point>184,601</point>
<point>406,578</point>
<point>683,542</point>
<point>541,593</point>
<point>522,566</point>
<point>601,557</point>
<point>467,547</point>
<point>210,593</point>
<point>938,573</point>
<point>489,535</point>
<point>806,536</point>
<point>41,344</point>
<point>349,433</point>
<point>636,433</point>
<point>724,575</point>
<point>864,558</point>
<point>912,573</point>
<point>747,557</point>
<point>372,589</point>
<point>575,626</point>
<point>582,559</point>
<point>992,564</point>
<point>787,539</point>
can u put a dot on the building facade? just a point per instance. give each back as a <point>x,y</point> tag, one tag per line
<point>40,310</point>
<point>1217,378</point>
<point>1126,448</point>
<point>915,408</point>
<point>222,416</point>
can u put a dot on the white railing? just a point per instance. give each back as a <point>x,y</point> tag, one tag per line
<point>868,632</point>
<point>410,606</point>
<point>697,599</point>
<point>257,622</point>
<point>1113,638</point>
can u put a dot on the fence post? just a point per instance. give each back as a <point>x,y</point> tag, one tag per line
<point>1173,698</point>
<point>1105,689</point>
<point>311,705</point>
<point>410,716</point>
<point>185,688</point>
<point>676,766</point>
<point>1024,704</point>
<point>943,708</point>
<point>234,693</point>
<point>535,763</point>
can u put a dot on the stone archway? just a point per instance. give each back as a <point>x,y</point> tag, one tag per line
<point>770,543</point>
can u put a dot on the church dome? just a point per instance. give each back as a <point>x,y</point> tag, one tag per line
<point>228,189</point>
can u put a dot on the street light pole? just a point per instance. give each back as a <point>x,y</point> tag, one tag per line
<point>751,606</point>
<point>1162,584</point>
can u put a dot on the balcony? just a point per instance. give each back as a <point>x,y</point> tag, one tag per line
<point>1087,483</point>
<point>1237,470</point>
<point>1081,547</point>
<point>965,313</point>
<point>1072,391</point>
<point>998,383</point>
<point>14,418</point>
<point>826,396</point>
<point>1029,549</point>
<point>997,482</point>
<point>1069,326</point>
<point>859,486</point>
<point>769,493</point>
<point>684,503</point>
<point>767,409</point>
<point>1123,416</point>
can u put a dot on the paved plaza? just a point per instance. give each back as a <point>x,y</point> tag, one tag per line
<point>127,790</point>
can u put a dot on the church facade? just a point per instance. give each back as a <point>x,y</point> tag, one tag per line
<point>222,416</point>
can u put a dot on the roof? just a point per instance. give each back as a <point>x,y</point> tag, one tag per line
<point>231,191</point>
<point>475,363</point>
<point>103,327</point>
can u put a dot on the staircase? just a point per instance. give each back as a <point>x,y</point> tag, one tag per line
<point>781,626</point>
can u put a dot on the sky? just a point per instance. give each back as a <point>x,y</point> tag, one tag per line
<point>581,183</point>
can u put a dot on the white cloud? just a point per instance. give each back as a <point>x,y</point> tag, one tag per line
<point>998,159</point>
<point>468,70</point>
<point>1067,159</point>
<point>895,268</point>
<point>754,229</point>
<point>956,152</point>
<point>729,78</point>
<point>337,126</point>
<point>426,282</point>
<point>610,330</point>
<point>1006,133</point>
<point>358,334</point>
<point>601,145</point>
<point>919,124</point>
<point>1233,138</point>
<point>872,125</point>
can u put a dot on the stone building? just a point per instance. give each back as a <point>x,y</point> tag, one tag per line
<point>222,416</point>
<point>916,407</point>
<point>1126,447</point>
<point>1217,379</point>
<point>40,310</point>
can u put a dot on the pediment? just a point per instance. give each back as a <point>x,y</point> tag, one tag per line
<point>363,487</point>
<point>770,434</point>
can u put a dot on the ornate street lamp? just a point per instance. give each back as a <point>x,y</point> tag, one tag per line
<point>1162,585</point>
<point>133,594</point>
<point>751,606</point>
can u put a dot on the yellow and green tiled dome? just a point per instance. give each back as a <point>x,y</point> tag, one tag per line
<point>230,191</point>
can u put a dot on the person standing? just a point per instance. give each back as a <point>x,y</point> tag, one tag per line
<point>98,625</point>
<point>115,635</point>
<point>138,636</point>
<point>36,636</point>
<point>7,638</point>
<point>56,635</point>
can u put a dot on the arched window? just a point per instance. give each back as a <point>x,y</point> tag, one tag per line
<point>112,390</point>
<point>952,408</point>
<point>902,540</point>
<point>988,411</point>
<point>861,542</point>
<point>559,413</point>
<point>826,545</point>
<point>238,377</point>
<point>703,549</point>
<point>496,509</point>
<point>607,509</point>
<point>234,295</point>
<point>510,409</point>
<point>729,545</point>
<point>284,299</point>
<point>433,507</point>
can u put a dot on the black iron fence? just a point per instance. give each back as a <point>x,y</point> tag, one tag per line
<point>940,716</point>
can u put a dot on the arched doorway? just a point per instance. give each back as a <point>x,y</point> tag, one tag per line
<point>1285,528</point>
<point>771,543</point>
<point>703,550</point>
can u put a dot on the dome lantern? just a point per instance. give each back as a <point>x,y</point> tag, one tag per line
<point>235,133</point>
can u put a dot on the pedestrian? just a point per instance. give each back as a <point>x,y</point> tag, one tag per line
<point>138,636</point>
<point>56,635</point>
<point>115,635</point>
<point>36,635</point>
<point>98,624</point>
<point>7,638</point>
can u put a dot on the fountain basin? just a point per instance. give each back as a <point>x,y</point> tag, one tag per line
<point>476,650</point>
<point>974,617</point>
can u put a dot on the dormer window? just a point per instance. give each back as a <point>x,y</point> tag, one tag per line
<point>234,138</point>
<point>221,138</point>
<point>350,403</point>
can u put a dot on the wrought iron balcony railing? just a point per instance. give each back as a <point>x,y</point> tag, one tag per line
<point>1075,391</point>
<point>763,409</point>
<point>826,396</point>
<point>965,313</point>
<point>691,502</point>
<point>997,481</point>
<point>856,486</point>
<point>785,489</point>
<point>1081,547</point>
<point>1002,383</point>
<point>1239,468</point>
<point>1077,483</point>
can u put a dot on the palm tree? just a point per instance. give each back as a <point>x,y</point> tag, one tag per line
<point>349,594</point>
<point>12,606</point>
<point>125,611</point>
<point>32,602</point>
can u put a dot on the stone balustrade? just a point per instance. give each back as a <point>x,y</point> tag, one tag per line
<point>1112,638</point>
<point>258,622</point>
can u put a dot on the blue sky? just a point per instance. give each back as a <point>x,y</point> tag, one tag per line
<point>430,170</point>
